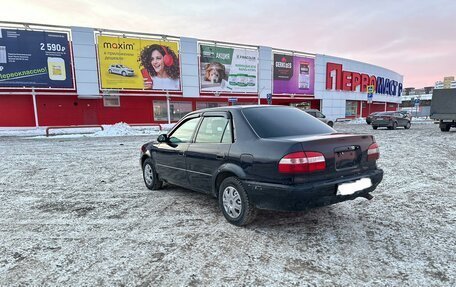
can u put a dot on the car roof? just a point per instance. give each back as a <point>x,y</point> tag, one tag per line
<point>239,107</point>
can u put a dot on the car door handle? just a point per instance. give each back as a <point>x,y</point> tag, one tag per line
<point>220,156</point>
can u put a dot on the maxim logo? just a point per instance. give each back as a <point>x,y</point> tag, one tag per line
<point>118,46</point>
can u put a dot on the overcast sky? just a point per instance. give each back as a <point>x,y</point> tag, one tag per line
<point>414,38</point>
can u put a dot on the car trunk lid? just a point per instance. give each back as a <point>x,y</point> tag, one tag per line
<point>345,154</point>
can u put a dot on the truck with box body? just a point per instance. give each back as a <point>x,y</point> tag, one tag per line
<point>443,108</point>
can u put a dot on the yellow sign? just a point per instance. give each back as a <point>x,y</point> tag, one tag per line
<point>370,89</point>
<point>130,63</point>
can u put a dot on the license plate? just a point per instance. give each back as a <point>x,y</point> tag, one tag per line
<point>352,187</point>
<point>380,119</point>
<point>347,159</point>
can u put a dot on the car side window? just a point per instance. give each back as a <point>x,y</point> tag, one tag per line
<point>319,115</point>
<point>184,132</point>
<point>228,134</point>
<point>211,130</point>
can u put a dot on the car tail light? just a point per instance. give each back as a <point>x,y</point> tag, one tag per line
<point>302,162</point>
<point>373,152</point>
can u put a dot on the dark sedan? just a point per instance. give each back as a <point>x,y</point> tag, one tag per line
<point>262,157</point>
<point>369,117</point>
<point>391,120</point>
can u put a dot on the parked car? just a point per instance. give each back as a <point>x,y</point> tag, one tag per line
<point>319,115</point>
<point>369,117</point>
<point>407,114</point>
<point>121,70</point>
<point>391,120</point>
<point>262,157</point>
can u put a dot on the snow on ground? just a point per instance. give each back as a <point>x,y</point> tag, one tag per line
<point>75,212</point>
<point>118,129</point>
<point>362,121</point>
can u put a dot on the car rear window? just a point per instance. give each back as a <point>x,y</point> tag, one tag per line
<point>269,122</point>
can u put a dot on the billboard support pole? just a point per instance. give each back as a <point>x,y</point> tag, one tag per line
<point>361,110</point>
<point>168,108</point>
<point>35,110</point>
<point>259,95</point>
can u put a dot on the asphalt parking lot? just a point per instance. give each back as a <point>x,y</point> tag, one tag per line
<point>75,211</point>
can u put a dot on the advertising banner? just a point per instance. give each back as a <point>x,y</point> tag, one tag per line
<point>34,59</point>
<point>228,69</point>
<point>293,75</point>
<point>131,63</point>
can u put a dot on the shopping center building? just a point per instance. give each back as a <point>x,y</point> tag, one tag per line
<point>58,76</point>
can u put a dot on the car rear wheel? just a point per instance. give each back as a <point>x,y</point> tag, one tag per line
<point>331,124</point>
<point>375,127</point>
<point>394,126</point>
<point>150,176</point>
<point>407,126</point>
<point>235,203</point>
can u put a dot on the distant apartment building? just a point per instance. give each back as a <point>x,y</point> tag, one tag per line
<point>447,83</point>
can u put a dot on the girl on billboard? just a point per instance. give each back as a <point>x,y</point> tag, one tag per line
<point>161,68</point>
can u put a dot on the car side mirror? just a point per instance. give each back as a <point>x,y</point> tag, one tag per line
<point>162,138</point>
<point>323,116</point>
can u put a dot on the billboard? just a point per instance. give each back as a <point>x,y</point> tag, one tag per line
<point>293,75</point>
<point>132,63</point>
<point>36,59</point>
<point>226,69</point>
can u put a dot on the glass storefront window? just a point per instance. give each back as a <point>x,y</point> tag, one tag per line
<point>244,103</point>
<point>205,105</point>
<point>177,110</point>
<point>351,108</point>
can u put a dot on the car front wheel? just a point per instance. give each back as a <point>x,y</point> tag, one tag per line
<point>235,203</point>
<point>331,124</point>
<point>375,127</point>
<point>407,126</point>
<point>150,176</point>
<point>394,125</point>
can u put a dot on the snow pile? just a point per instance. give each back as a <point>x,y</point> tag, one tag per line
<point>22,132</point>
<point>167,127</point>
<point>357,121</point>
<point>118,129</point>
<point>420,120</point>
<point>124,129</point>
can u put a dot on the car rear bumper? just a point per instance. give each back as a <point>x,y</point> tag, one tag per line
<point>303,196</point>
<point>382,123</point>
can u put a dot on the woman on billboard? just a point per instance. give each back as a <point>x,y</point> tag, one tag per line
<point>161,68</point>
